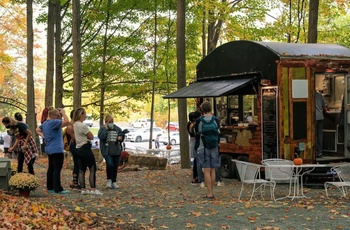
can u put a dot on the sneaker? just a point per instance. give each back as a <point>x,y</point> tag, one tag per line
<point>114,185</point>
<point>202,185</point>
<point>85,192</point>
<point>220,184</point>
<point>96,192</point>
<point>194,182</point>
<point>63,192</point>
<point>109,183</point>
<point>50,191</point>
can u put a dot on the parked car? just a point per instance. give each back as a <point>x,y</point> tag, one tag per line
<point>143,134</point>
<point>174,138</point>
<point>89,121</point>
<point>142,123</point>
<point>173,126</point>
<point>131,130</point>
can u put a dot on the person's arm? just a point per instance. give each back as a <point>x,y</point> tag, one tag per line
<point>65,121</point>
<point>197,142</point>
<point>218,124</point>
<point>121,135</point>
<point>29,135</point>
<point>39,132</point>
<point>14,145</point>
<point>102,134</point>
<point>90,136</point>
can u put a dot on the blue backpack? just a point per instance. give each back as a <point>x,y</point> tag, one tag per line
<point>209,133</point>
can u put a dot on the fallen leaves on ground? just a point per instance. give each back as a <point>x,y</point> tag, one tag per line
<point>153,199</point>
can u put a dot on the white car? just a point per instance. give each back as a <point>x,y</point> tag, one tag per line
<point>143,134</point>
<point>89,121</point>
<point>142,123</point>
<point>174,138</point>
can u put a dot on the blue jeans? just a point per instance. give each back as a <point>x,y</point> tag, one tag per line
<point>112,163</point>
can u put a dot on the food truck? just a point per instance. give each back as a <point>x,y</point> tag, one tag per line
<point>264,95</point>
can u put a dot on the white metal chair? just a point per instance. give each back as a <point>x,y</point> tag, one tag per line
<point>281,174</point>
<point>343,173</point>
<point>249,174</point>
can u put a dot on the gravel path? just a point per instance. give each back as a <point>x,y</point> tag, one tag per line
<point>167,200</point>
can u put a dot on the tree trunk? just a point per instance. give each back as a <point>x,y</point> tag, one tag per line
<point>58,58</point>
<point>313,21</point>
<point>31,117</point>
<point>77,82</point>
<point>50,54</point>
<point>103,77</point>
<point>181,82</point>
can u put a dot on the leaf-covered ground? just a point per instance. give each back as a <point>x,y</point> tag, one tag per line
<point>167,200</point>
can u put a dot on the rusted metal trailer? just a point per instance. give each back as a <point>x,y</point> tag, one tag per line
<point>264,96</point>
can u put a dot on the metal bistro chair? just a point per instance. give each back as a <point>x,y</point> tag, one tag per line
<point>281,174</point>
<point>343,173</point>
<point>249,174</point>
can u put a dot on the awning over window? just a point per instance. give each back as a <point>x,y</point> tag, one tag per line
<point>212,88</point>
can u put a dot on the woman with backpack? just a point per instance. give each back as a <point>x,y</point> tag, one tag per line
<point>111,139</point>
<point>207,139</point>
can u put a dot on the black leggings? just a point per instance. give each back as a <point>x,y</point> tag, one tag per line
<point>86,159</point>
<point>20,158</point>
<point>73,150</point>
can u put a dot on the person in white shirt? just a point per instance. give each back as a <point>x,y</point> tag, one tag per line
<point>7,145</point>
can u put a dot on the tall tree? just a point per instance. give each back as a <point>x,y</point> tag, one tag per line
<point>181,81</point>
<point>31,118</point>
<point>104,59</point>
<point>50,53</point>
<point>313,21</point>
<point>58,57</point>
<point>77,88</point>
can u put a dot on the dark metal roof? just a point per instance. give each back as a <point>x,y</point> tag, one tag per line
<point>212,88</point>
<point>239,57</point>
<point>312,50</point>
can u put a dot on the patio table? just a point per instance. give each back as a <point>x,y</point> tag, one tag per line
<point>299,172</point>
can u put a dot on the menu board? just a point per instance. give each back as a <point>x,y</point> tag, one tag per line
<point>269,122</point>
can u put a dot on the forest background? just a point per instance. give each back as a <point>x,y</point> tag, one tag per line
<point>120,57</point>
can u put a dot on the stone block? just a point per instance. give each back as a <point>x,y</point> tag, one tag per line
<point>148,160</point>
<point>5,173</point>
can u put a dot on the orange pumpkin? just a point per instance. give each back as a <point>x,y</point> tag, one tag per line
<point>168,147</point>
<point>298,161</point>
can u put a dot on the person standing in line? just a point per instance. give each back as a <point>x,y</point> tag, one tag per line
<point>7,144</point>
<point>218,178</point>
<point>111,138</point>
<point>198,176</point>
<point>25,144</point>
<point>72,149</point>
<point>51,131</point>
<point>18,116</point>
<point>86,158</point>
<point>320,110</point>
<point>209,153</point>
